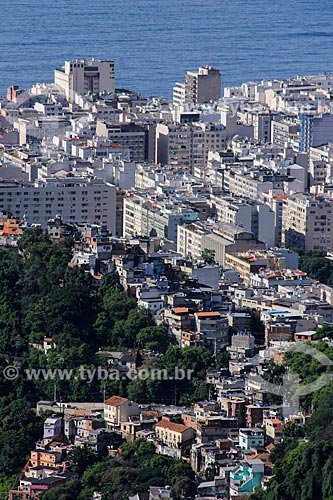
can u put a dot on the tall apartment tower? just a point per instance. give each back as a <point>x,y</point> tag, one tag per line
<point>307,223</point>
<point>82,76</point>
<point>199,87</point>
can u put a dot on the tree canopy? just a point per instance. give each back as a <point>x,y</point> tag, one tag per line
<point>42,296</point>
<point>142,468</point>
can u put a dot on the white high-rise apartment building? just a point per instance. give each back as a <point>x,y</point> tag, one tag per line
<point>83,76</point>
<point>76,200</point>
<point>252,215</point>
<point>144,217</point>
<point>128,135</point>
<point>307,223</point>
<point>187,145</point>
<point>200,86</point>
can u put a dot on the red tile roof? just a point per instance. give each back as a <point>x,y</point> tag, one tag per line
<point>82,412</point>
<point>180,310</point>
<point>275,421</point>
<point>115,401</point>
<point>150,413</point>
<point>280,198</point>
<point>172,426</point>
<point>208,314</point>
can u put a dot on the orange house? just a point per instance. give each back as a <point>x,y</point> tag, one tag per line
<point>45,458</point>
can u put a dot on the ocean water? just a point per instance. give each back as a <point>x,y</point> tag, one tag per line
<point>155,42</point>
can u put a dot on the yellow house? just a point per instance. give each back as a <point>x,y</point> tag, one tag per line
<point>118,409</point>
<point>173,434</point>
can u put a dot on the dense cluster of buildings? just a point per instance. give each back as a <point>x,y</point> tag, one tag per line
<point>227,438</point>
<point>230,437</point>
<point>195,203</point>
<point>259,157</point>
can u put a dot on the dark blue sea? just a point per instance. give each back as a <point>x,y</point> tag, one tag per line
<point>155,42</point>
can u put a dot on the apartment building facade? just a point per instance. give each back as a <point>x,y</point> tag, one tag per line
<point>172,434</point>
<point>117,410</point>
<point>130,135</point>
<point>146,217</point>
<point>307,223</point>
<point>83,76</point>
<point>187,146</point>
<point>284,131</point>
<point>194,238</point>
<point>250,214</point>
<point>74,199</point>
<point>315,130</point>
<point>200,86</point>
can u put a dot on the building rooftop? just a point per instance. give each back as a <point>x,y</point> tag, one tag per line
<point>115,401</point>
<point>171,426</point>
<point>207,314</point>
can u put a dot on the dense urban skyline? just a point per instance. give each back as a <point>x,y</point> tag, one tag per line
<point>166,287</point>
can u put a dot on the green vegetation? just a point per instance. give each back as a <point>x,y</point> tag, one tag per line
<point>304,469</point>
<point>6,483</point>
<point>170,391</point>
<point>325,331</point>
<point>82,458</point>
<point>135,469</point>
<point>208,256</point>
<point>304,461</point>
<point>19,430</point>
<point>41,296</point>
<point>316,265</point>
